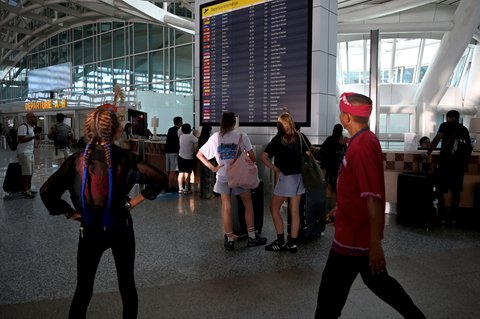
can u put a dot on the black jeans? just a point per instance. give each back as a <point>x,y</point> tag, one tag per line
<point>92,244</point>
<point>338,276</point>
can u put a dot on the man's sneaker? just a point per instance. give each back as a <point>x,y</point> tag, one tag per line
<point>275,246</point>
<point>28,194</point>
<point>257,241</point>
<point>291,247</point>
<point>229,245</point>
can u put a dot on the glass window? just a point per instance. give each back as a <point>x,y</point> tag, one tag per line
<point>78,79</point>
<point>105,77</point>
<point>54,56</point>
<point>77,33</point>
<point>106,52</point>
<point>54,41</point>
<point>119,72</point>
<point>155,37</point>
<point>90,79</point>
<point>184,87</point>
<point>88,52</point>
<point>183,62</point>
<point>406,58</point>
<point>141,71</point>
<point>140,37</point>
<point>182,37</point>
<point>77,53</point>
<point>63,54</point>
<point>89,30</point>
<point>64,37</point>
<point>118,43</point>
<point>156,69</point>
<point>105,27</point>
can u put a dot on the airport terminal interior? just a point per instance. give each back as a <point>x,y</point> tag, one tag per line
<point>416,59</point>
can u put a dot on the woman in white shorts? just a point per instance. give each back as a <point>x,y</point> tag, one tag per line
<point>285,149</point>
<point>223,146</point>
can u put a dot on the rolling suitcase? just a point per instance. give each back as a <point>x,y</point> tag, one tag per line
<point>13,178</point>
<point>238,212</point>
<point>415,199</point>
<point>312,210</point>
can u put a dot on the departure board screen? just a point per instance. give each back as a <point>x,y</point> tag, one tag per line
<point>255,60</point>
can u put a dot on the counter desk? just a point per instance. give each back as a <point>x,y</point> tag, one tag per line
<point>396,162</point>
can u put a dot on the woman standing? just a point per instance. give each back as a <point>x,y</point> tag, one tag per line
<point>331,154</point>
<point>207,178</point>
<point>223,146</point>
<point>285,149</point>
<point>99,181</point>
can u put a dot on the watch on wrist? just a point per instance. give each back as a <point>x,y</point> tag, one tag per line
<point>127,204</point>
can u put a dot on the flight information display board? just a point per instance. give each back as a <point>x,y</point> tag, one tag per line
<point>255,60</point>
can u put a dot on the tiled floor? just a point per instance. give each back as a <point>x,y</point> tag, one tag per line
<point>182,270</point>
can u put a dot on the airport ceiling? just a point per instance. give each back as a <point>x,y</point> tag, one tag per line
<point>24,24</point>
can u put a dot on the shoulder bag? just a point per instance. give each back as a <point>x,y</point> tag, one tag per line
<point>242,171</point>
<point>311,173</point>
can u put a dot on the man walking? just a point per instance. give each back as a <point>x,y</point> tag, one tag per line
<point>61,134</point>
<point>359,220</point>
<point>454,154</point>
<point>25,139</point>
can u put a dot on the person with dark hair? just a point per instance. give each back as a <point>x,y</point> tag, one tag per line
<point>424,143</point>
<point>99,180</point>
<point>172,146</point>
<point>61,134</point>
<point>331,154</point>
<point>455,152</point>
<point>223,146</point>
<point>359,220</point>
<point>285,149</point>
<point>186,159</point>
<point>207,178</point>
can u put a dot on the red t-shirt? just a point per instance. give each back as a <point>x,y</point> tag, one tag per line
<point>361,176</point>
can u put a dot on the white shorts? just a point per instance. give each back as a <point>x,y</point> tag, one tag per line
<point>171,164</point>
<point>289,185</point>
<point>222,188</point>
<point>26,162</point>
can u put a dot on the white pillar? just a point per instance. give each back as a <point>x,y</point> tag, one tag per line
<point>472,93</point>
<point>465,22</point>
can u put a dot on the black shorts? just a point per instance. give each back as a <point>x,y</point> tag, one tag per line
<point>185,165</point>
<point>449,178</point>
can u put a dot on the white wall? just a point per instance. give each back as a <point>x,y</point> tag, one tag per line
<point>165,107</point>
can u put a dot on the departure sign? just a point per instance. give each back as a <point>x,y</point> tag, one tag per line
<point>255,60</point>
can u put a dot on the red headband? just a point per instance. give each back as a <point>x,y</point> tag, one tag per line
<point>362,110</point>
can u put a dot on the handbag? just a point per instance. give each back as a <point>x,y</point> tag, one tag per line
<point>311,173</point>
<point>242,171</point>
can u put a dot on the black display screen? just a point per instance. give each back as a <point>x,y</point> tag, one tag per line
<point>255,60</point>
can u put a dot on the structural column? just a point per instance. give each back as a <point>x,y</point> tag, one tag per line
<point>465,23</point>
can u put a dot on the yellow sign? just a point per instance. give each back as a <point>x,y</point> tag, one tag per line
<point>226,6</point>
<point>45,105</point>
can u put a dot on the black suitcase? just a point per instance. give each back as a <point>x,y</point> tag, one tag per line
<point>13,178</point>
<point>415,195</point>
<point>238,212</point>
<point>313,207</point>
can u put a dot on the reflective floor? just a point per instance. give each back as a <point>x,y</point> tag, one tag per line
<point>183,271</point>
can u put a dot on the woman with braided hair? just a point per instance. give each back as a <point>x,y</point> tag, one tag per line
<point>99,180</point>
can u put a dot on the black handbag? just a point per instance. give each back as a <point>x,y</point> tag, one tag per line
<point>311,173</point>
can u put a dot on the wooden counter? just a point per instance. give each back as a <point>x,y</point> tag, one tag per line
<point>397,161</point>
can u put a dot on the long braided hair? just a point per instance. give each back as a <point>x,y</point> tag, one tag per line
<point>101,128</point>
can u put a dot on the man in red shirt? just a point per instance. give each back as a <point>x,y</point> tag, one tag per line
<point>359,220</point>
